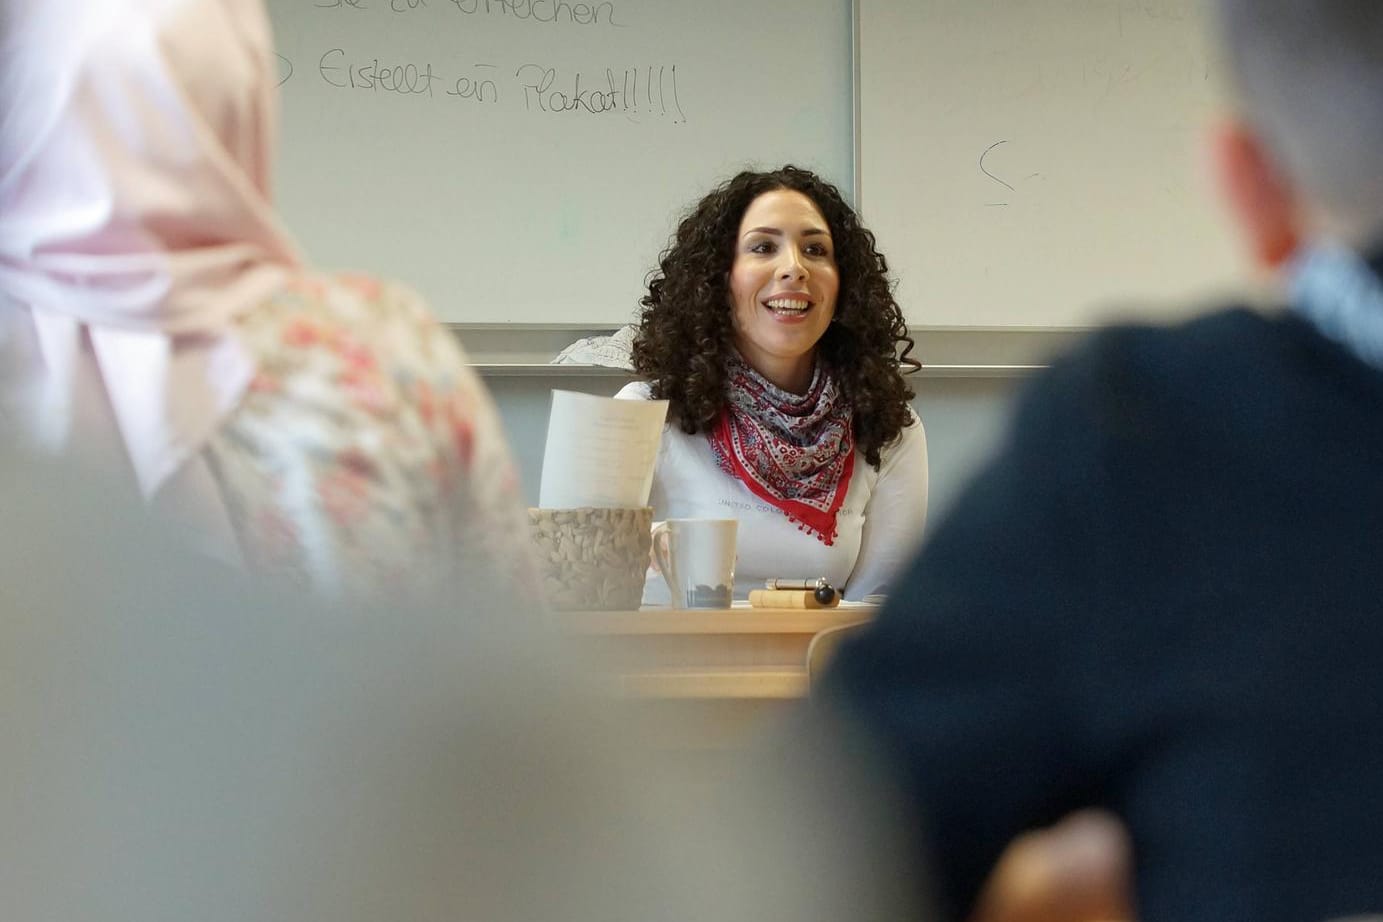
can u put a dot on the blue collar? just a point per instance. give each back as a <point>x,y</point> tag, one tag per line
<point>1341,295</point>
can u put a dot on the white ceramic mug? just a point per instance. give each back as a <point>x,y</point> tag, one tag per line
<point>697,559</point>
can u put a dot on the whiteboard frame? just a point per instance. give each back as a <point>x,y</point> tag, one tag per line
<point>525,350</point>
<point>855,107</point>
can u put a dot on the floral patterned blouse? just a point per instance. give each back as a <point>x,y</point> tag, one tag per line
<point>367,458</point>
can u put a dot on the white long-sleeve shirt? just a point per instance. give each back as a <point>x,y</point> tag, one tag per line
<point>879,524</point>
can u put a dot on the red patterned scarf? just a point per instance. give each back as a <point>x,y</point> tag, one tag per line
<point>796,452</point>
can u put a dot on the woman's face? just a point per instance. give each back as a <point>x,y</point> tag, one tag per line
<point>783,286</point>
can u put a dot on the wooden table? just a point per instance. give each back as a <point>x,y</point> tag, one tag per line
<point>708,678</point>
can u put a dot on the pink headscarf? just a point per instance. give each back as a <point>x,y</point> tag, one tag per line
<point>135,216</point>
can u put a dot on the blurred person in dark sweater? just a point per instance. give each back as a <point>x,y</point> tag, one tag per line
<point>1162,597</point>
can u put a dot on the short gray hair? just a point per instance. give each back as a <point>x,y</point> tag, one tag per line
<point>1309,77</point>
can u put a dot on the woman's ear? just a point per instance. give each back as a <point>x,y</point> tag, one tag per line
<point>1260,199</point>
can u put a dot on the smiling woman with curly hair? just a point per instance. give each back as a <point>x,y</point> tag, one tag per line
<point>771,329</point>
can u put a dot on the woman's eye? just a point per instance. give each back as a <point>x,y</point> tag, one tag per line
<point>763,246</point>
<point>817,249</point>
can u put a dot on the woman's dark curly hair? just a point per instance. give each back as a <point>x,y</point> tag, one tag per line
<point>685,326</point>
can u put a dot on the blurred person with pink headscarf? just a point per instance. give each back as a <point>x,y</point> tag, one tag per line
<point>156,319</point>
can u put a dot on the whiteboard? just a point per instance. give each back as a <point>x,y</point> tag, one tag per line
<point>524,161</point>
<point>1037,163</point>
